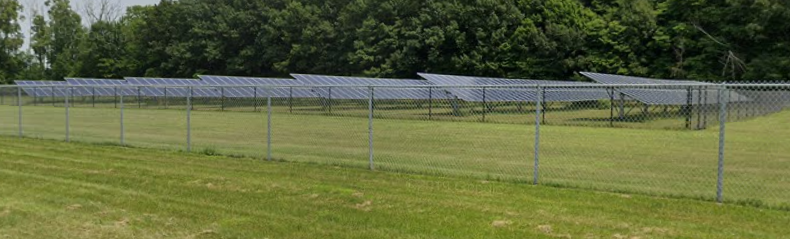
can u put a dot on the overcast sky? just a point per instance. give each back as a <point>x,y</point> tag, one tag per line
<point>32,6</point>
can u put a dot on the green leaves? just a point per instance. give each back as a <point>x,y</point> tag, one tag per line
<point>544,39</point>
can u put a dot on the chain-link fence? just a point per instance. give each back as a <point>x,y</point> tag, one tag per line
<point>716,142</point>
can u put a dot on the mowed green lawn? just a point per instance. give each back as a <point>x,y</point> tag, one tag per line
<point>645,161</point>
<point>52,189</point>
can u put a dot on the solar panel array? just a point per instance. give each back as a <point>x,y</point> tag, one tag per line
<point>344,87</point>
<point>695,94</point>
<point>287,88</point>
<point>159,87</point>
<point>107,87</point>
<point>510,94</point>
<point>357,87</point>
<point>40,90</point>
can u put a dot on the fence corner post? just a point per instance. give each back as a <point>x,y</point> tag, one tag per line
<point>722,130</point>
<point>538,112</point>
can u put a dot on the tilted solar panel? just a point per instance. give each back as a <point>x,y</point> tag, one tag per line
<point>516,93</point>
<point>179,87</point>
<point>285,88</point>
<point>39,89</point>
<point>99,87</point>
<point>357,87</point>
<point>697,93</point>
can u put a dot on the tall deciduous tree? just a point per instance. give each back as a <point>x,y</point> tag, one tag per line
<point>67,33</point>
<point>11,39</point>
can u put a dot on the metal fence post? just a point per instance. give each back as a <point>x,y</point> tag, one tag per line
<point>269,124</point>
<point>19,102</point>
<point>538,109</point>
<point>370,129</point>
<point>722,130</point>
<point>430,103</point>
<point>121,107</point>
<point>67,113</point>
<point>291,100</point>
<point>189,120</point>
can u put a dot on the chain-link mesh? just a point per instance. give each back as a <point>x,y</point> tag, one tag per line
<point>94,114</point>
<point>665,145</point>
<point>229,121</point>
<point>431,131</point>
<point>757,156</point>
<point>650,139</point>
<point>326,125</point>
<point>9,111</point>
<point>43,113</point>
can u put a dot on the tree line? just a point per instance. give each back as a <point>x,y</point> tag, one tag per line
<point>711,40</point>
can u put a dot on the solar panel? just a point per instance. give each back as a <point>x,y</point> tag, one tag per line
<point>282,91</point>
<point>98,87</point>
<point>161,89</point>
<point>694,94</point>
<point>40,89</point>
<point>504,94</point>
<point>358,87</point>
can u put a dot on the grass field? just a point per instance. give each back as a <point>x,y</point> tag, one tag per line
<point>54,189</point>
<point>646,161</point>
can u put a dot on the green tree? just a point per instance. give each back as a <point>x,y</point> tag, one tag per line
<point>67,33</point>
<point>11,39</point>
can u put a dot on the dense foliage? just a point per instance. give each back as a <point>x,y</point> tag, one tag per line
<point>714,40</point>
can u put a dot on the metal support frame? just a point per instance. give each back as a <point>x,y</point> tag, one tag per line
<point>430,103</point>
<point>538,109</point>
<point>115,93</point>
<point>291,99</point>
<point>484,104</point>
<point>543,106</point>
<point>269,124</point>
<point>456,107</point>
<point>705,109</point>
<point>222,98</point>
<point>329,101</point>
<point>611,107</point>
<point>621,114</point>
<point>139,99</point>
<point>370,129</point>
<point>722,130</point>
<point>53,96</point>
<point>189,120</point>
<point>166,103</point>
<point>93,97</point>
<point>689,109</point>
<point>35,96</point>
<point>255,99</point>
<point>699,108</point>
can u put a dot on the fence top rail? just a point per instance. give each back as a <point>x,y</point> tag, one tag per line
<point>526,86</point>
